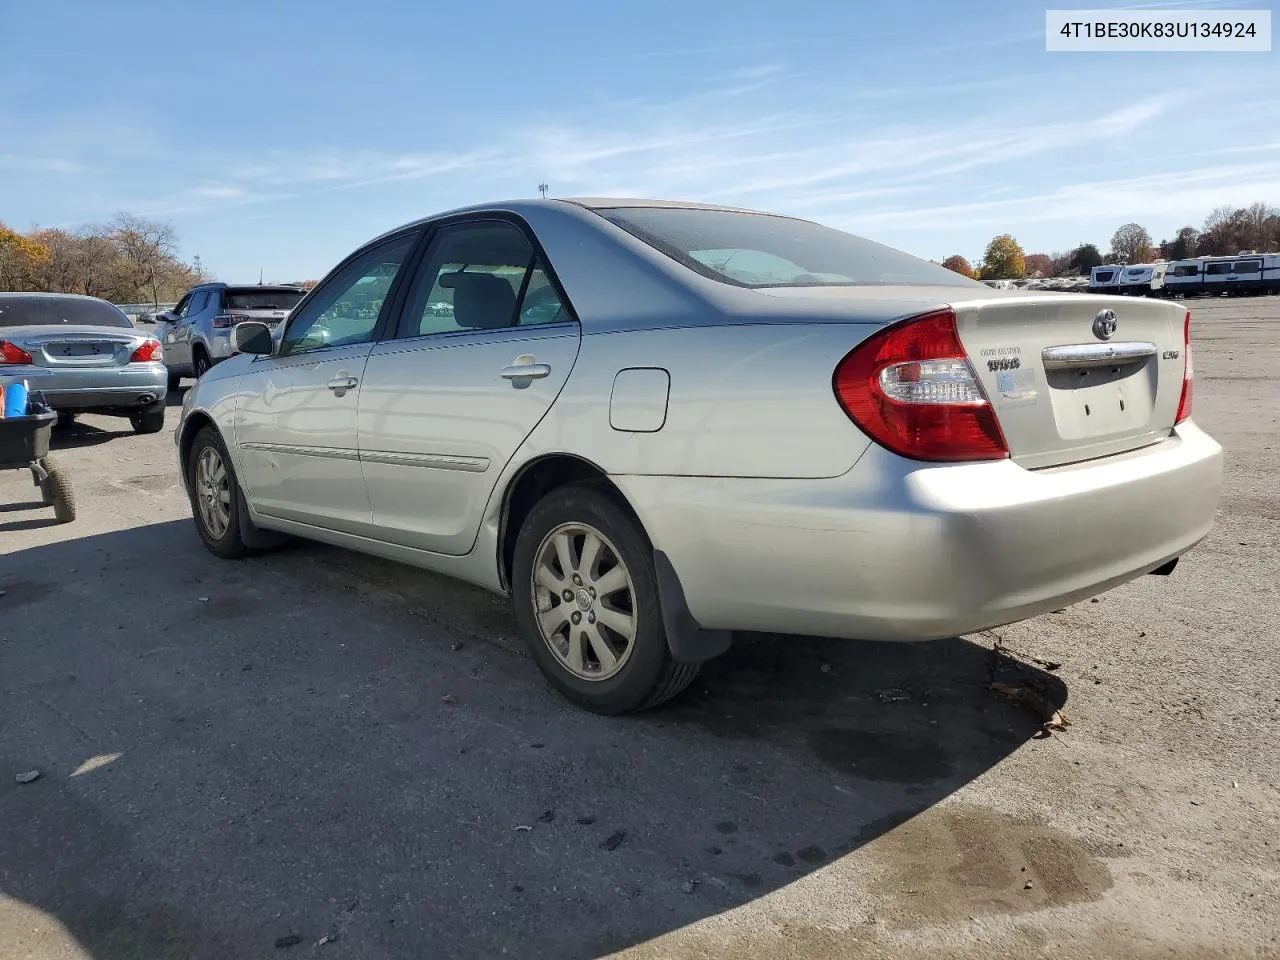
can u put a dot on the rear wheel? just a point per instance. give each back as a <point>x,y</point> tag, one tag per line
<point>215,495</point>
<point>148,419</point>
<point>587,600</point>
<point>200,363</point>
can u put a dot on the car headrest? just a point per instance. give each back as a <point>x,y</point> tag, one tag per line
<point>481,301</point>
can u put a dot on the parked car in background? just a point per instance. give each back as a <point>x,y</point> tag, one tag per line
<point>653,424</point>
<point>84,355</point>
<point>196,334</point>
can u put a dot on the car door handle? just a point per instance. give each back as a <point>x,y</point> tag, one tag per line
<point>341,385</point>
<point>525,369</point>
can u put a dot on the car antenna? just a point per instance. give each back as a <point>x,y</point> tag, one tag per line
<point>259,276</point>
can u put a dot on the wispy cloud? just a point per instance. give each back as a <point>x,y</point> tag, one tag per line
<point>13,161</point>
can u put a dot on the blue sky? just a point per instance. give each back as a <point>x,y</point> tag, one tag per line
<point>280,135</point>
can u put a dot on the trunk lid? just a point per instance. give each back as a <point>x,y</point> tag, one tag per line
<point>1062,391</point>
<point>72,347</point>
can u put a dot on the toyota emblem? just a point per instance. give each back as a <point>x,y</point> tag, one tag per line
<point>1104,325</point>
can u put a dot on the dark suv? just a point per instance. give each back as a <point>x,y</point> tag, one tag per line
<point>197,332</point>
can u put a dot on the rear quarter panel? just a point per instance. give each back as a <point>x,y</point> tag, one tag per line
<point>745,400</point>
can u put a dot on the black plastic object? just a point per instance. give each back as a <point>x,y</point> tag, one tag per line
<point>24,439</point>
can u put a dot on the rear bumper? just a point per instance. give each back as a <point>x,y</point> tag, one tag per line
<point>219,345</point>
<point>76,390</point>
<point>898,550</point>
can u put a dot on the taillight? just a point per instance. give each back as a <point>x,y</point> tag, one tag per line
<point>12,353</point>
<point>911,387</point>
<point>149,352</point>
<point>227,320</point>
<point>1188,375</point>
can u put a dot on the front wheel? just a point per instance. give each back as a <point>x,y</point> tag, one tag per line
<point>215,496</point>
<point>587,600</point>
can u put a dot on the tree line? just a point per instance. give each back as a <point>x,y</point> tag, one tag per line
<point>127,260</point>
<point>1226,232</point>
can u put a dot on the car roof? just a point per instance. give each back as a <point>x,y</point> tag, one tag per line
<point>593,204</point>
<point>15,294</point>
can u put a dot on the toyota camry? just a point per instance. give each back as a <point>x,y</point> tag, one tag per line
<point>652,424</point>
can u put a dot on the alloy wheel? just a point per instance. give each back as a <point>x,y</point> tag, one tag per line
<point>213,493</point>
<point>584,601</point>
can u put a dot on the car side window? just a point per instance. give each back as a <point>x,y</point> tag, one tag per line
<point>479,276</point>
<point>541,303</point>
<point>180,311</point>
<point>199,301</point>
<point>345,309</point>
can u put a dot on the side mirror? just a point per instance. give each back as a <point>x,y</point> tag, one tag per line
<point>252,337</point>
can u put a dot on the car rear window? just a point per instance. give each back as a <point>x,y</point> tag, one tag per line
<point>52,311</point>
<point>261,299</point>
<point>761,250</point>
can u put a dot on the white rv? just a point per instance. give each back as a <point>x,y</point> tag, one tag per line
<point>1185,278</point>
<point>1105,279</point>
<point>1234,276</point>
<point>1271,273</point>
<point>1143,279</point>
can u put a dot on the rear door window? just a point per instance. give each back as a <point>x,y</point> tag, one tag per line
<point>482,275</point>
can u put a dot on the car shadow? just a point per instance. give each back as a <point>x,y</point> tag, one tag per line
<point>174,397</point>
<point>79,434</point>
<point>308,746</point>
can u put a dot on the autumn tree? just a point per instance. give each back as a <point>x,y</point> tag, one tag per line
<point>1131,244</point>
<point>1040,263</point>
<point>19,255</point>
<point>1003,259</point>
<point>958,264</point>
<point>1224,232</point>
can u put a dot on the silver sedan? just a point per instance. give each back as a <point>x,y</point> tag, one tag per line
<point>84,355</point>
<point>652,424</point>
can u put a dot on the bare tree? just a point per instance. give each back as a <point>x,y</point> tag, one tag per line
<point>146,248</point>
<point>1131,244</point>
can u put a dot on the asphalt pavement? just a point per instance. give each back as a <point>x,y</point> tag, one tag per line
<point>314,753</point>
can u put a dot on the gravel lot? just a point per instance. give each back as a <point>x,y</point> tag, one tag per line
<point>315,753</point>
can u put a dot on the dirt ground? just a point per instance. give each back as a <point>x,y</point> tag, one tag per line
<point>315,753</point>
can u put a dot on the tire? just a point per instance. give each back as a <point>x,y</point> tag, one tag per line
<point>644,673</point>
<point>199,363</point>
<point>175,381</point>
<point>148,419</point>
<point>56,492</point>
<point>51,466</point>
<point>221,539</point>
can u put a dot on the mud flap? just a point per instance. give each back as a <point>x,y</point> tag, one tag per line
<point>688,641</point>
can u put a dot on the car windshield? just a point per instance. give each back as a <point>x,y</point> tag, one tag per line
<point>761,250</point>
<point>22,311</point>
<point>261,299</point>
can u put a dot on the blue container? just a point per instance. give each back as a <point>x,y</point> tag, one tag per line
<point>15,399</point>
